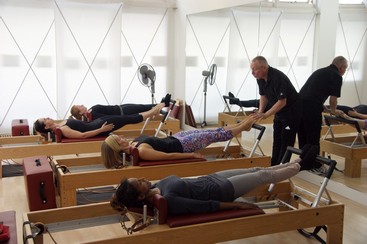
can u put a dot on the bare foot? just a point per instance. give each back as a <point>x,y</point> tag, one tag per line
<point>157,109</point>
<point>247,123</point>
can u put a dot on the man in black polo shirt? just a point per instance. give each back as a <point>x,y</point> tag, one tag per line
<point>323,83</point>
<point>276,90</point>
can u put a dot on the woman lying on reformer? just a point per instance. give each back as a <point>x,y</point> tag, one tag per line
<point>72,128</point>
<point>351,112</point>
<point>97,111</point>
<point>209,193</point>
<point>361,122</point>
<point>181,145</point>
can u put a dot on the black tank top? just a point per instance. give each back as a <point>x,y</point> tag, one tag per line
<point>169,144</point>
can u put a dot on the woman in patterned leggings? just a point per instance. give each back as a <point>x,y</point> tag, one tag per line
<point>181,145</point>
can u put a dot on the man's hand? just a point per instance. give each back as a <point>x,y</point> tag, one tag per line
<point>258,116</point>
<point>339,113</point>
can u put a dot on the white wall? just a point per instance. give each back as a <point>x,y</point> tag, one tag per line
<point>157,32</point>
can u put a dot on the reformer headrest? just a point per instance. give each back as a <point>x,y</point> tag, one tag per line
<point>136,161</point>
<point>160,204</point>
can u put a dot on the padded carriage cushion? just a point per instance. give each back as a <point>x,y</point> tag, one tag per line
<point>160,203</point>
<point>61,139</point>
<point>136,161</point>
<point>190,219</point>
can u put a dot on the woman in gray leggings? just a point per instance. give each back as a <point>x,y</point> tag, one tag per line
<point>208,193</point>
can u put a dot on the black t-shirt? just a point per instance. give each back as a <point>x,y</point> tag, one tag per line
<point>277,87</point>
<point>321,84</point>
<point>195,195</point>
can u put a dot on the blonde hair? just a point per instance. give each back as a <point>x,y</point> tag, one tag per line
<point>112,143</point>
<point>111,158</point>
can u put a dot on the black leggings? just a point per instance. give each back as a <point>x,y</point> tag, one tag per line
<point>128,109</point>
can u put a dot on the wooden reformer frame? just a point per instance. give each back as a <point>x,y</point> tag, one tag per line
<point>229,117</point>
<point>28,146</point>
<point>352,148</point>
<point>68,182</point>
<point>291,210</point>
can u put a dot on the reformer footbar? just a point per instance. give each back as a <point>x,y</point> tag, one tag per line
<point>236,101</point>
<point>255,126</point>
<point>329,118</point>
<point>256,144</point>
<point>166,116</point>
<point>317,197</point>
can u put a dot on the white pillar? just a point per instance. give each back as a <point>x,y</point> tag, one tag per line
<point>325,36</point>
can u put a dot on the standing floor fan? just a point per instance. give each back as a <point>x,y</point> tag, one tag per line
<point>146,76</point>
<point>209,78</point>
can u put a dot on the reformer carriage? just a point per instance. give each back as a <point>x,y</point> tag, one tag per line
<point>288,207</point>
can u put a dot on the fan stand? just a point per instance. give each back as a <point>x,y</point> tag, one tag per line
<point>152,90</point>
<point>203,124</point>
<point>152,98</point>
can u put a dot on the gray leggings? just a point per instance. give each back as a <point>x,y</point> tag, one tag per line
<point>245,180</point>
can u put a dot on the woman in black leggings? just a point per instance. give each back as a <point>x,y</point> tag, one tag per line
<point>72,128</point>
<point>97,111</point>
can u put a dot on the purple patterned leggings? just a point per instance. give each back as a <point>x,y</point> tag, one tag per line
<point>193,140</point>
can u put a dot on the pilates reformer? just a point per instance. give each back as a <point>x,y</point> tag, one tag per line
<point>142,128</point>
<point>287,207</point>
<point>301,195</point>
<point>338,127</point>
<point>89,172</point>
<point>229,117</point>
<point>28,146</point>
<point>351,147</point>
